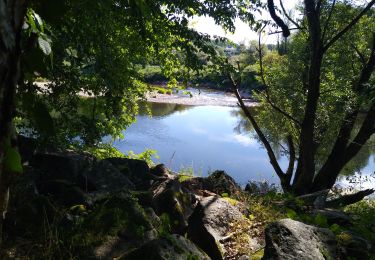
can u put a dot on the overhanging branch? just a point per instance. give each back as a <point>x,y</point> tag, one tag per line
<point>277,19</point>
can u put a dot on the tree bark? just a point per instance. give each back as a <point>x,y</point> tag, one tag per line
<point>12,13</point>
<point>306,163</point>
<point>349,199</point>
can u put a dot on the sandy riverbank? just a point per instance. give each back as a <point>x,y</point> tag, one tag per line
<point>204,97</point>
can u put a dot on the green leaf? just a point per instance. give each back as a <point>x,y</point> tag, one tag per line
<point>44,45</point>
<point>12,160</point>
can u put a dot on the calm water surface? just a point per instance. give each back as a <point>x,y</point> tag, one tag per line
<point>206,138</point>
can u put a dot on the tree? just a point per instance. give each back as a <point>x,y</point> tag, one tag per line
<point>90,48</point>
<point>319,90</point>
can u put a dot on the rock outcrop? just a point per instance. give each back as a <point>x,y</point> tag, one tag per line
<point>212,223</point>
<point>170,198</point>
<point>174,247</point>
<point>289,239</point>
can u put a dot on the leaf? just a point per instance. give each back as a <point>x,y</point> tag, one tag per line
<point>12,160</point>
<point>44,45</point>
<point>42,118</point>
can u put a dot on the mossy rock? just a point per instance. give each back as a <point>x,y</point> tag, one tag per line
<point>117,215</point>
<point>170,198</point>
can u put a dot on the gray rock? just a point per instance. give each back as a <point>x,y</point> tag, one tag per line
<point>174,247</point>
<point>211,223</point>
<point>63,192</point>
<point>103,176</point>
<point>218,183</point>
<point>154,219</point>
<point>170,198</point>
<point>137,171</point>
<point>353,246</point>
<point>61,166</point>
<point>160,170</point>
<point>289,239</point>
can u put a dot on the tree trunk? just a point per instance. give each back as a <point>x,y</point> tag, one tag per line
<point>306,163</point>
<point>12,13</point>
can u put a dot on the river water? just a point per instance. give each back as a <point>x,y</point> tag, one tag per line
<point>207,138</point>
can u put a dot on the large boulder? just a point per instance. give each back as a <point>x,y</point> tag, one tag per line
<point>220,182</point>
<point>217,183</point>
<point>214,223</point>
<point>61,166</point>
<point>170,198</point>
<point>174,247</point>
<point>103,176</point>
<point>63,192</point>
<point>289,239</point>
<point>137,171</point>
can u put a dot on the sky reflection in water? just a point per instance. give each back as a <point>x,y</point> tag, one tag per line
<point>206,138</point>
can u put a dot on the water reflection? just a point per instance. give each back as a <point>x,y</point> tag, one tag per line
<point>209,138</point>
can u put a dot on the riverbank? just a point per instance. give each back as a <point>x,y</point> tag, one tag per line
<point>200,97</point>
<point>75,206</point>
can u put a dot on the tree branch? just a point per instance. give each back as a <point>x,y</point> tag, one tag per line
<point>260,57</point>
<point>277,19</point>
<point>349,199</point>
<point>350,25</point>
<point>361,57</point>
<point>288,17</point>
<point>261,136</point>
<point>328,20</point>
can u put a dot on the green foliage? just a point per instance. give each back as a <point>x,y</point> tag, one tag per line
<point>364,212</point>
<point>12,159</point>
<point>146,155</point>
<point>165,227</point>
<point>95,76</point>
<point>321,220</point>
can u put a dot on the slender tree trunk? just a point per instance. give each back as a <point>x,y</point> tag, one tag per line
<point>12,14</point>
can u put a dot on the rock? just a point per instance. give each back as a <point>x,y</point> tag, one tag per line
<point>63,191</point>
<point>289,239</point>
<point>260,187</point>
<point>170,198</point>
<point>353,246</point>
<point>154,219</point>
<point>174,247</point>
<point>219,182</point>
<point>115,224</point>
<point>103,176</point>
<point>160,170</point>
<point>61,166</point>
<point>211,224</point>
<point>137,171</point>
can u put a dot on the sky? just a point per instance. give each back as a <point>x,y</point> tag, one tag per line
<point>243,34</point>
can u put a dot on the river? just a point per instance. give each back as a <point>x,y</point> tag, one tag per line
<point>206,138</point>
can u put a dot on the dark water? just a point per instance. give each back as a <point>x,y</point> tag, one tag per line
<point>207,138</point>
